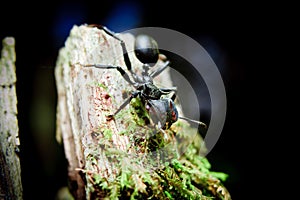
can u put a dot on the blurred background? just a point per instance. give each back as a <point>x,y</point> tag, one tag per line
<point>229,33</point>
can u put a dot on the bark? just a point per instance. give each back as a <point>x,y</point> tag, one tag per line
<point>82,101</point>
<point>10,171</point>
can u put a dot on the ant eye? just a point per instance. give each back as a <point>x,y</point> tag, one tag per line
<point>174,116</point>
<point>173,110</point>
<point>146,49</point>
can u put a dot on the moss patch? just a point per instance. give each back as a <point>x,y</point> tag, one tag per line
<point>154,165</point>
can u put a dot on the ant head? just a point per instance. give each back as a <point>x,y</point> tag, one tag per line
<point>146,49</point>
<point>162,111</point>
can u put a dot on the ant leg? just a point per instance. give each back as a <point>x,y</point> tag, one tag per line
<point>168,90</point>
<point>122,72</point>
<point>109,117</point>
<point>160,70</point>
<point>127,101</point>
<point>203,125</point>
<point>113,34</point>
<point>159,126</point>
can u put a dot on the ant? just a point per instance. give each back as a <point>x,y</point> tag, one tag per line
<point>162,111</point>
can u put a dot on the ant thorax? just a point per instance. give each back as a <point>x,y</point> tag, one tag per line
<point>144,77</point>
<point>149,91</point>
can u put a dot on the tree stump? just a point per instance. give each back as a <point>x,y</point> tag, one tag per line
<point>123,158</point>
<point>10,171</point>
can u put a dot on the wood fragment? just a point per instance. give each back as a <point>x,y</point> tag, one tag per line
<point>10,171</point>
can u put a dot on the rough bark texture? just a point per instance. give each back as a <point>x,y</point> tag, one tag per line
<point>10,171</point>
<point>118,158</point>
<point>82,102</point>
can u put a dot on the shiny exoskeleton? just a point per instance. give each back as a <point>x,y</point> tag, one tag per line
<point>162,111</point>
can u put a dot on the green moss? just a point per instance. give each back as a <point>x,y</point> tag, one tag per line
<point>138,112</point>
<point>159,165</point>
<point>107,133</point>
<point>101,85</point>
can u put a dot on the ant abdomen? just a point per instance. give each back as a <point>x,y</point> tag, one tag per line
<point>146,49</point>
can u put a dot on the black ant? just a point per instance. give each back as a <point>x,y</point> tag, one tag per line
<point>162,111</point>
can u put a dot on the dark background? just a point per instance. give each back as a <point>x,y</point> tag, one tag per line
<point>236,37</point>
